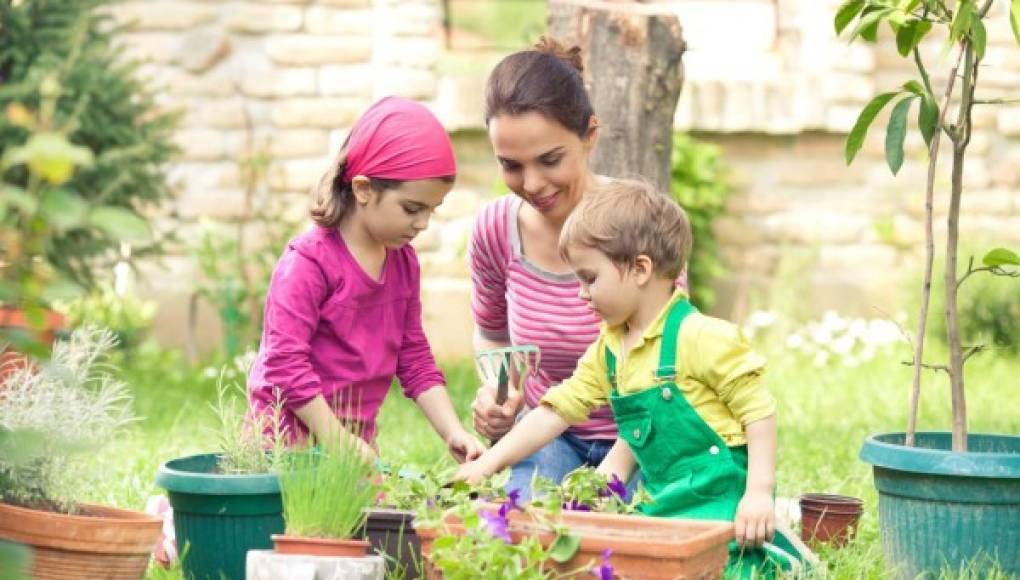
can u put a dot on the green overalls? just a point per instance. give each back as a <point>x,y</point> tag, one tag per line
<point>687,468</point>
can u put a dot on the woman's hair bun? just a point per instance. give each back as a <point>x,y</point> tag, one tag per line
<point>571,56</point>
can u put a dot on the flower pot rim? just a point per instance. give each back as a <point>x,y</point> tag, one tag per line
<point>175,476</point>
<point>319,546</point>
<point>887,450</point>
<point>831,499</point>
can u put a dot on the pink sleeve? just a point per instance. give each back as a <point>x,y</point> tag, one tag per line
<point>416,367</point>
<point>296,290</point>
<point>488,258</point>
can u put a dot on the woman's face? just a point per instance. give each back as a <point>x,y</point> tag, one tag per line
<point>542,161</point>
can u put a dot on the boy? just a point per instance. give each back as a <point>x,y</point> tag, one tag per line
<point>685,388</point>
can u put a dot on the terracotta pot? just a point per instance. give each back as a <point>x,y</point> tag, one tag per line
<point>643,547</point>
<point>284,544</point>
<point>827,518</point>
<point>100,542</point>
<point>15,319</point>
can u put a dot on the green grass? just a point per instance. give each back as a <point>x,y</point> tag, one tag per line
<point>825,414</point>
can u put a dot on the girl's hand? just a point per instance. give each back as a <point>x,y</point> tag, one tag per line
<point>491,420</point>
<point>755,522</point>
<point>463,446</point>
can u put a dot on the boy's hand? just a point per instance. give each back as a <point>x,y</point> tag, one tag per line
<point>472,472</point>
<point>491,420</point>
<point>755,522</point>
<point>463,446</point>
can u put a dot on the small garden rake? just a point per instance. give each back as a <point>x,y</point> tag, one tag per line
<point>503,365</point>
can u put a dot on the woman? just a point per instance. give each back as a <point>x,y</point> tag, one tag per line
<point>543,130</point>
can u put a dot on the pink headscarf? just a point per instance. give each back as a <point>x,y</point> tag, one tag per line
<point>399,139</point>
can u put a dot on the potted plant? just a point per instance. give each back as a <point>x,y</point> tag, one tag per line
<point>59,412</point>
<point>938,491</point>
<point>227,503</point>
<point>66,209</point>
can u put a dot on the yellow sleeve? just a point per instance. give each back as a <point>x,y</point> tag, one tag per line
<point>588,388</point>
<point>725,362</point>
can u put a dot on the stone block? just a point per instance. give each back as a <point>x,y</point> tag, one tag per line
<point>808,227</point>
<point>163,15</point>
<point>409,19</point>
<point>155,47</point>
<point>256,18</point>
<point>224,114</point>
<point>1001,202</point>
<point>299,143</point>
<point>1009,120</point>
<point>323,20</point>
<point>200,144</point>
<point>417,84</point>
<point>408,52</point>
<point>201,50</point>
<point>322,113</point>
<point>303,50</point>
<point>348,3</point>
<point>460,203</point>
<point>220,204</point>
<point>346,81</point>
<point>297,174</point>
<point>268,565</point>
<point>286,82</point>
<point>446,316</point>
<point>736,231</point>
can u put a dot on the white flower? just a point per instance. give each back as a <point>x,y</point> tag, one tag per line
<point>794,341</point>
<point>844,344</point>
<point>821,358</point>
<point>762,319</point>
<point>210,372</point>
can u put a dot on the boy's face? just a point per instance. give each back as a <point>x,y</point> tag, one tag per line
<point>610,292</point>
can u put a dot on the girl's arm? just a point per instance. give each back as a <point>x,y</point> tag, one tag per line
<point>536,429</point>
<point>619,461</point>
<point>755,520</point>
<point>435,404</point>
<point>328,430</point>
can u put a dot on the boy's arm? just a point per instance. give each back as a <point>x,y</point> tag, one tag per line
<point>534,431</point>
<point>435,404</point>
<point>619,461</point>
<point>755,519</point>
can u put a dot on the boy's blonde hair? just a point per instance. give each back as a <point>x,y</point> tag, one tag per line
<point>625,219</point>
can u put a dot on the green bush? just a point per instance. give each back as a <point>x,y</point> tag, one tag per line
<point>107,110</point>
<point>701,185</point>
<point>989,312</point>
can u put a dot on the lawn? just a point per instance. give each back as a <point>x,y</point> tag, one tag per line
<point>825,413</point>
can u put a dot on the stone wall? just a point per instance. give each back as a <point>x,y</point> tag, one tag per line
<point>286,78</point>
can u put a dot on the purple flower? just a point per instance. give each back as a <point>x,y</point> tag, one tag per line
<point>496,524</point>
<point>576,506</point>
<point>617,488</point>
<point>513,498</point>
<point>605,570</point>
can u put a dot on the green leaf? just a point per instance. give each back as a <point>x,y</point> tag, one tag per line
<point>979,37</point>
<point>895,134</point>
<point>855,140</point>
<point>50,156</point>
<point>444,542</point>
<point>910,36</point>
<point>1001,257</point>
<point>564,547</point>
<point>914,87</point>
<point>62,209</point>
<point>961,20</point>
<point>19,198</point>
<point>1014,19</point>
<point>928,117</point>
<point>120,223</point>
<point>908,5</point>
<point>867,28</point>
<point>846,13</point>
<point>61,290</point>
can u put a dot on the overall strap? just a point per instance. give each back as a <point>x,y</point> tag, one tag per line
<point>611,367</point>
<point>670,333</point>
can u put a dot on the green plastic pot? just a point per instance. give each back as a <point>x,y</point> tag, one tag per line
<point>217,517</point>
<point>939,510</point>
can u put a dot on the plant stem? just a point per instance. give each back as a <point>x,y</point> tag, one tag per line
<point>929,237</point>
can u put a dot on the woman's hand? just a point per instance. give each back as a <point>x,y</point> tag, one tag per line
<point>491,420</point>
<point>755,522</point>
<point>464,446</point>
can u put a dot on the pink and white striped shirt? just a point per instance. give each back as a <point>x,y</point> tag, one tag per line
<point>514,300</point>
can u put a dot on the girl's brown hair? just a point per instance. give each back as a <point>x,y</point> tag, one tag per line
<point>545,79</point>
<point>333,197</point>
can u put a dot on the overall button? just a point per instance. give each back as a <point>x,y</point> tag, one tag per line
<point>714,450</point>
<point>637,433</point>
<point>666,394</point>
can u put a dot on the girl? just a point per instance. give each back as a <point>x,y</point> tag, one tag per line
<point>343,312</point>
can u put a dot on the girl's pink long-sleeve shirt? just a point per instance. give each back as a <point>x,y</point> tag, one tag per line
<point>331,329</point>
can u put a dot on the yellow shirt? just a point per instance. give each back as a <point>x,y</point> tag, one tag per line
<point>717,372</point>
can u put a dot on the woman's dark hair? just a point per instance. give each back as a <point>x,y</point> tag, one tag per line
<point>334,196</point>
<point>545,79</point>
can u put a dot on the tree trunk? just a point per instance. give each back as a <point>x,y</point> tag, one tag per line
<point>632,67</point>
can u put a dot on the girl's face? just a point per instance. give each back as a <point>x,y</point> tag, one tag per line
<point>542,161</point>
<point>394,217</point>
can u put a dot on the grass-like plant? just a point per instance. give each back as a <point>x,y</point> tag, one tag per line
<point>327,490</point>
<point>69,405</point>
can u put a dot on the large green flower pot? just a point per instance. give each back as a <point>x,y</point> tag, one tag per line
<point>939,510</point>
<point>217,517</point>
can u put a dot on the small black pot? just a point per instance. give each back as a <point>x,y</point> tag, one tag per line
<point>391,532</point>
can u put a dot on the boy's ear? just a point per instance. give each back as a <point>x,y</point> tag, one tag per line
<point>362,188</point>
<point>643,269</point>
